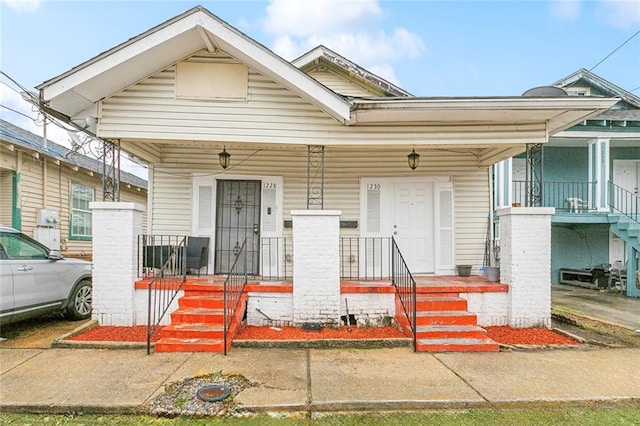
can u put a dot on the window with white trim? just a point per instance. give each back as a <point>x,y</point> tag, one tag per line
<point>80,223</point>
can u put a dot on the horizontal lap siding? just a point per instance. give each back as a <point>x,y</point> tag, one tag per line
<point>6,197</point>
<point>340,85</point>
<point>343,170</point>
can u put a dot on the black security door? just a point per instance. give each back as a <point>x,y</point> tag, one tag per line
<point>237,218</point>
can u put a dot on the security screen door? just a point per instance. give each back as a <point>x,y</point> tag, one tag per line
<point>237,218</point>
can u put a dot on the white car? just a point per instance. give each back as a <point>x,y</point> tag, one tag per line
<point>35,280</point>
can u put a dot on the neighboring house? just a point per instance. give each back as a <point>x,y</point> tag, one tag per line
<point>45,191</point>
<point>590,173</point>
<point>319,149</point>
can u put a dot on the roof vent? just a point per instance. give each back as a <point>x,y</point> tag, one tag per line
<point>545,92</point>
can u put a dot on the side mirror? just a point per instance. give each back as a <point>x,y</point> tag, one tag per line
<point>55,255</point>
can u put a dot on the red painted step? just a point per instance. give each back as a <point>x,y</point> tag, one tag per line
<point>446,318</point>
<point>440,303</point>
<point>197,315</point>
<point>196,301</point>
<point>451,332</point>
<point>189,345</point>
<point>193,331</point>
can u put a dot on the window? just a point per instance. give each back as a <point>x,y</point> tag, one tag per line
<point>81,196</point>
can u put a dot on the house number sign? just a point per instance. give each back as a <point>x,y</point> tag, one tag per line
<point>373,187</point>
<point>269,185</point>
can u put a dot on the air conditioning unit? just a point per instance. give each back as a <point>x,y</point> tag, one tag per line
<point>48,218</point>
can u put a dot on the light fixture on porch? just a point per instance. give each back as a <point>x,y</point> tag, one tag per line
<point>414,159</point>
<point>224,157</point>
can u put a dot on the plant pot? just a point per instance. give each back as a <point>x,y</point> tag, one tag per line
<point>493,274</point>
<point>464,270</point>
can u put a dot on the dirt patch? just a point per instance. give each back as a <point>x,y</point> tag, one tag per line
<point>36,333</point>
<point>115,334</point>
<point>528,336</point>
<point>595,332</point>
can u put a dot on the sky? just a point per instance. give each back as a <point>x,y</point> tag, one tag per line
<point>429,48</point>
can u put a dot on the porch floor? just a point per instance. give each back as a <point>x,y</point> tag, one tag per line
<point>424,284</point>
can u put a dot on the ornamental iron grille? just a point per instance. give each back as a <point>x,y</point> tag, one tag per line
<point>534,175</point>
<point>315,176</point>
<point>110,156</point>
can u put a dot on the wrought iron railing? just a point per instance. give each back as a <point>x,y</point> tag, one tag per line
<point>232,290</point>
<point>575,197</point>
<point>163,259</point>
<point>365,258</point>
<point>624,202</point>
<point>405,285</point>
<point>276,258</point>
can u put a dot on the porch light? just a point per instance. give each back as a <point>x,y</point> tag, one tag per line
<point>414,159</point>
<point>224,157</point>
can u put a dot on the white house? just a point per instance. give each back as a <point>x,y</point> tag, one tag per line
<point>318,152</point>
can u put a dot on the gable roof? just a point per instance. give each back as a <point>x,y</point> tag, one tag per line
<point>83,86</point>
<point>322,56</point>
<point>602,84</point>
<point>23,138</point>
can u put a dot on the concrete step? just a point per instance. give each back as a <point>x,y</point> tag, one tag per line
<point>446,318</point>
<point>201,301</point>
<point>193,331</point>
<point>451,332</point>
<point>189,345</point>
<point>440,303</point>
<point>197,315</point>
<point>457,345</point>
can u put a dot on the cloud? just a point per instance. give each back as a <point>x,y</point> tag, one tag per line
<point>622,13</point>
<point>566,10</point>
<point>299,26</point>
<point>23,6</point>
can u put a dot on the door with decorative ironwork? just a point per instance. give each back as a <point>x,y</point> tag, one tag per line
<point>237,219</point>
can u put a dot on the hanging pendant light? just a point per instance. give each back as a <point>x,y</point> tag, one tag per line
<point>414,159</point>
<point>224,157</point>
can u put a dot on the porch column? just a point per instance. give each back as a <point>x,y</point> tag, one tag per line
<point>316,266</point>
<point>599,174</point>
<point>116,226</point>
<point>525,264</point>
<point>632,269</point>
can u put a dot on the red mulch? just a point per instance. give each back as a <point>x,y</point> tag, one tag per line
<point>527,336</point>
<point>136,333</point>
<point>502,334</point>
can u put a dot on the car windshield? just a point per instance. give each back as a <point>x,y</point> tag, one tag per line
<point>17,246</point>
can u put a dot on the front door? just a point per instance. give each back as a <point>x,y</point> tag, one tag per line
<point>237,220</point>
<point>413,224</point>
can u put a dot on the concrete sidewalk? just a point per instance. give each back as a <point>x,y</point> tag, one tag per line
<point>108,380</point>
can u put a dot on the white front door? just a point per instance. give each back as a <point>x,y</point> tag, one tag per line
<point>413,224</point>
<point>625,175</point>
<point>418,213</point>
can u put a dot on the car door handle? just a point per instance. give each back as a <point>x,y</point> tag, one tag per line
<point>24,268</point>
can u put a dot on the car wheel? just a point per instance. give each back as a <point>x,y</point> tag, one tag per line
<point>80,301</point>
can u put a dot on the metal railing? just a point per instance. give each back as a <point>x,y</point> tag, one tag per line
<point>574,197</point>
<point>233,288</point>
<point>365,258</point>
<point>163,258</point>
<point>276,258</point>
<point>405,285</point>
<point>624,202</point>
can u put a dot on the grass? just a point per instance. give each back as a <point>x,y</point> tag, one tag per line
<point>624,413</point>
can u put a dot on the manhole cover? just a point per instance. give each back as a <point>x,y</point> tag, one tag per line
<point>213,393</point>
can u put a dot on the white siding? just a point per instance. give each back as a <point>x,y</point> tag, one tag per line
<point>6,196</point>
<point>343,170</point>
<point>148,111</point>
<point>341,85</point>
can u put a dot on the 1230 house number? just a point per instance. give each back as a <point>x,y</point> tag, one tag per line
<point>373,187</point>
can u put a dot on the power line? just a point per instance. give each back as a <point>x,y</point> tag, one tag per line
<point>615,50</point>
<point>17,112</point>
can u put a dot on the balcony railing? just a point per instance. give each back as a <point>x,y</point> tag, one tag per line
<point>574,197</point>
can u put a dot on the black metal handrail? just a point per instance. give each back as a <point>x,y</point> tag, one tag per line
<point>574,197</point>
<point>276,258</point>
<point>624,202</point>
<point>233,288</point>
<point>365,258</point>
<point>405,285</point>
<point>163,258</point>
